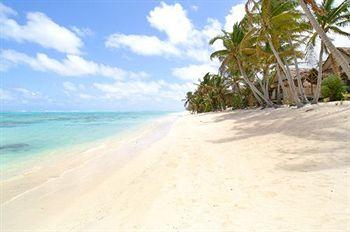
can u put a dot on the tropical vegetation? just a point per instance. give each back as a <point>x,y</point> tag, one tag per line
<point>266,48</point>
<point>333,88</point>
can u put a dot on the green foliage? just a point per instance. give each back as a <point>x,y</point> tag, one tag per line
<point>211,95</point>
<point>333,88</point>
<point>270,35</point>
<point>238,102</point>
<point>332,18</point>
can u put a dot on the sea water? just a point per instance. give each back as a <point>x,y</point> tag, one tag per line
<point>25,135</point>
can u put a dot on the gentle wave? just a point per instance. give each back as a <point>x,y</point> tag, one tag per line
<point>25,135</point>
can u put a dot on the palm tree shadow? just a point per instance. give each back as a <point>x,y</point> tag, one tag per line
<point>304,125</point>
<point>314,159</point>
<point>259,123</point>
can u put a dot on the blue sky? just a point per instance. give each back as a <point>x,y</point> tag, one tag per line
<point>109,55</point>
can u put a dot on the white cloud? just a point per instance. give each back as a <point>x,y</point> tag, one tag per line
<point>69,86</point>
<point>133,90</point>
<point>22,95</point>
<point>198,54</point>
<point>177,91</point>
<point>4,94</point>
<point>341,41</point>
<point>85,96</point>
<point>82,32</point>
<point>76,91</point>
<point>213,28</point>
<point>28,94</point>
<point>72,65</point>
<point>172,20</point>
<point>39,29</point>
<point>6,11</point>
<point>125,89</point>
<point>194,72</point>
<point>142,44</point>
<point>183,40</point>
<point>236,14</point>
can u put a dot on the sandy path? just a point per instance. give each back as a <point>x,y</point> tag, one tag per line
<point>270,170</point>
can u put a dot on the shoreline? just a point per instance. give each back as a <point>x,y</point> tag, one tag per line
<point>67,159</point>
<point>247,170</point>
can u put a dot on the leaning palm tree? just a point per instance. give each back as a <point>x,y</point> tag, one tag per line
<point>234,53</point>
<point>298,38</point>
<point>332,19</point>
<point>322,34</point>
<point>274,21</point>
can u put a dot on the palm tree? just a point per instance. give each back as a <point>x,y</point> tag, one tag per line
<point>331,19</point>
<point>295,41</point>
<point>212,94</point>
<point>233,53</point>
<point>189,101</point>
<point>263,45</point>
<point>276,20</point>
<point>322,34</point>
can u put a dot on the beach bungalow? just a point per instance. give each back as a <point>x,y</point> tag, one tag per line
<point>331,67</point>
<point>309,77</point>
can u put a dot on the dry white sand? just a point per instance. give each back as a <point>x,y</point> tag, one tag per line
<point>252,170</point>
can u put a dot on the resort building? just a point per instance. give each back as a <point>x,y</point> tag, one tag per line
<point>309,77</point>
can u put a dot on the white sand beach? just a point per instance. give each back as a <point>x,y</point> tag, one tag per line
<point>247,170</point>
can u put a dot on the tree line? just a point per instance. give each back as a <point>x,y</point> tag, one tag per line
<point>271,39</point>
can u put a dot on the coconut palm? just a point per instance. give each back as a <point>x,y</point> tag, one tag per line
<point>233,53</point>
<point>331,19</point>
<point>261,47</point>
<point>212,94</point>
<point>321,32</point>
<point>298,38</point>
<point>274,22</point>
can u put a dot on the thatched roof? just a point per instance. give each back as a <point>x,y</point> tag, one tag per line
<point>304,73</point>
<point>328,65</point>
<point>345,50</point>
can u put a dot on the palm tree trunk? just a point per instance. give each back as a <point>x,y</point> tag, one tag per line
<point>278,97</point>
<point>327,42</point>
<point>255,91</point>
<point>263,88</point>
<point>280,82</point>
<point>292,86</point>
<point>257,98</point>
<point>266,91</point>
<point>287,73</point>
<point>319,76</point>
<point>300,84</point>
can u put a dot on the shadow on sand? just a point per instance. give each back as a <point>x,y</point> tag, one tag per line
<point>327,127</point>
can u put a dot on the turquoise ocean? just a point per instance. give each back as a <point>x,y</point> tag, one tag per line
<point>25,135</point>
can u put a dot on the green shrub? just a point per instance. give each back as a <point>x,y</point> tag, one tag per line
<point>333,88</point>
<point>238,102</point>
